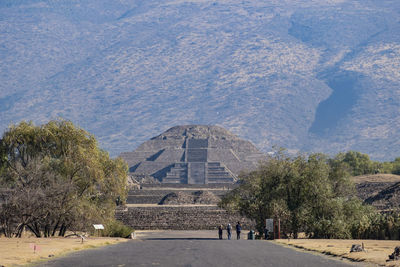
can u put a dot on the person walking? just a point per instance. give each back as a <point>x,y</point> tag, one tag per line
<point>229,231</point>
<point>266,233</point>
<point>238,230</point>
<point>220,231</point>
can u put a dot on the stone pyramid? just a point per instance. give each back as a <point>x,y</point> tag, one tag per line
<point>194,154</point>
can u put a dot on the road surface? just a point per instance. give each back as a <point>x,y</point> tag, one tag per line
<point>193,248</point>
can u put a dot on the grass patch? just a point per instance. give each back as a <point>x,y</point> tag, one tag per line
<point>377,251</point>
<point>19,251</point>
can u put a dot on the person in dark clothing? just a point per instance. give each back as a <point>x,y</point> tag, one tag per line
<point>229,231</point>
<point>266,233</point>
<point>238,230</point>
<point>220,231</point>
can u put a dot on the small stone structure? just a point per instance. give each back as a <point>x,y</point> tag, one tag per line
<point>154,193</point>
<point>178,207</point>
<point>194,154</point>
<point>179,218</point>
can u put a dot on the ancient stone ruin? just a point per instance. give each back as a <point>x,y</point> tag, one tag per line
<point>193,154</point>
<point>184,198</point>
<point>179,177</point>
<point>178,207</point>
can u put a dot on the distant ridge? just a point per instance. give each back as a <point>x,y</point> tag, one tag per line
<point>309,75</point>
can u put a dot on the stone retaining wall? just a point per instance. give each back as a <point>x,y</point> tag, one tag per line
<point>144,199</point>
<point>188,186</point>
<point>184,217</point>
<point>180,218</point>
<point>163,192</point>
<point>155,196</point>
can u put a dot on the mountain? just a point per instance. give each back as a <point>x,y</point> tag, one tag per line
<point>310,75</point>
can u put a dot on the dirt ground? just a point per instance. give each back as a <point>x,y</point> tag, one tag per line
<point>376,251</point>
<point>18,251</point>
<point>376,178</point>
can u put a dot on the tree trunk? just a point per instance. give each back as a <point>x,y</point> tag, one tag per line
<point>47,231</point>
<point>55,228</point>
<point>34,231</point>
<point>63,229</point>
<point>295,234</point>
<point>20,229</point>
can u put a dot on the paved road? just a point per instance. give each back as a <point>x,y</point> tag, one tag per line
<point>197,248</point>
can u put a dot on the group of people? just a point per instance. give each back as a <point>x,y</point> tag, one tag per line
<point>229,231</point>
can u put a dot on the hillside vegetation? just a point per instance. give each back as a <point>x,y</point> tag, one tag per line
<point>312,75</point>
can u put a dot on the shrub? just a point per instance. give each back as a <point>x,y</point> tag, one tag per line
<point>116,228</point>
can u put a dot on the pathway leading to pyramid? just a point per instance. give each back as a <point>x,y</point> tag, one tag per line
<point>193,248</point>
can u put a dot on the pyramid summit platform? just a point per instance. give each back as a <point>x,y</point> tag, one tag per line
<point>194,154</point>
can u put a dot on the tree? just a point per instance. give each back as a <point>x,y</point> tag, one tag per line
<point>311,194</point>
<point>58,179</point>
<point>3,159</point>
<point>358,163</point>
<point>396,166</point>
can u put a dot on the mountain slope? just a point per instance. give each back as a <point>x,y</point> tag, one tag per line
<point>310,76</point>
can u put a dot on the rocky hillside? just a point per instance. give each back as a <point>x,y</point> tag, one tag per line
<point>312,75</point>
<point>380,190</point>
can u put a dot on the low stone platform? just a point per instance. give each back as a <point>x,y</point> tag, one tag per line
<point>144,212</point>
<point>179,217</point>
<point>215,186</point>
<point>140,196</point>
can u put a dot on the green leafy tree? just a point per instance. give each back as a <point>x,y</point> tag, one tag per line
<point>3,158</point>
<point>396,166</point>
<point>311,194</point>
<point>70,182</point>
<point>392,167</point>
<point>358,163</point>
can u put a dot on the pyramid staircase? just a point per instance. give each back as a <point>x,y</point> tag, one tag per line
<point>177,174</point>
<point>217,173</point>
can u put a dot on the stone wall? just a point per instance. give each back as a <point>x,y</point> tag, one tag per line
<point>153,193</point>
<point>142,211</point>
<point>155,196</point>
<point>171,155</point>
<point>196,173</point>
<point>180,218</point>
<point>188,186</point>
<point>144,199</point>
